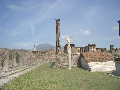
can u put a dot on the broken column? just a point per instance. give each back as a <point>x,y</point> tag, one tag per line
<point>5,62</point>
<point>20,59</point>
<point>111,48</point>
<point>24,59</point>
<point>57,36</point>
<point>14,59</point>
<point>83,50</point>
<point>69,53</point>
<point>119,27</point>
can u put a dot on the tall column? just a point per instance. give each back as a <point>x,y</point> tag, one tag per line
<point>119,27</point>
<point>69,53</point>
<point>57,36</point>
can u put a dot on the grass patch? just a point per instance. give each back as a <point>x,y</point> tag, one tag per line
<point>46,78</point>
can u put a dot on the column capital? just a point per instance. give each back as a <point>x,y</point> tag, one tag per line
<point>68,39</point>
<point>57,19</point>
<point>119,21</point>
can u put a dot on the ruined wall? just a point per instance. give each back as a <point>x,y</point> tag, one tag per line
<point>4,58</point>
<point>48,55</point>
<point>20,58</point>
<point>14,58</point>
<point>114,51</point>
<point>61,60</point>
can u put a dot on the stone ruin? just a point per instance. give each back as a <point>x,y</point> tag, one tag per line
<point>61,60</point>
<point>114,51</point>
<point>62,56</point>
<point>16,62</point>
<point>11,59</point>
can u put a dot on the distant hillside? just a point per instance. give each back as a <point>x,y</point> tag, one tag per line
<point>45,46</point>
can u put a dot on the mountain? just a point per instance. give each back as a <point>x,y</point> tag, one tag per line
<point>45,46</point>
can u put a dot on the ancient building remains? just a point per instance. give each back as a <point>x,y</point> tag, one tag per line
<point>60,58</point>
<point>111,48</point>
<point>101,49</point>
<point>10,59</point>
<point>89,48</point>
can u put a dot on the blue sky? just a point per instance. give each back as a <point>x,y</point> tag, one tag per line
<point>25,23</point>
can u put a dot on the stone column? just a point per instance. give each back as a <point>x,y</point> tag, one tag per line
<point>116,49</point>
<point>5,63</point>
<point>83,50</point>
<point>13,59</point>
<point>119,27</point>
<point>32,58</point>
<point>20,59</point>
<point>20,63</point>
<point>111,48</point>
<point>57,36</point>
<point>24,61</point>
<point>69,53</point>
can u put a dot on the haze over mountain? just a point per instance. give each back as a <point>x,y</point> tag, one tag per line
<point>45,46</point>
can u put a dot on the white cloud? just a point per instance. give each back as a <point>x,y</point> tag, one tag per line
<point>45,11</point>
<point>32,27</point>
<point>64,36</point>
<point>14,7</point>
<point>85,32</point>
<point>116,28</point>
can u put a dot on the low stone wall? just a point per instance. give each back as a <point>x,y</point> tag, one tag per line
<point>117,65</point>
<point>98,66</point>
<point>102,66</point>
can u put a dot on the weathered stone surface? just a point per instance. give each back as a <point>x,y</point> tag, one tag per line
<point>5,63</point>
<point>61,60</point>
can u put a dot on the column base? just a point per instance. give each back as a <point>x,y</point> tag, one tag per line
<point>69,68</point>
